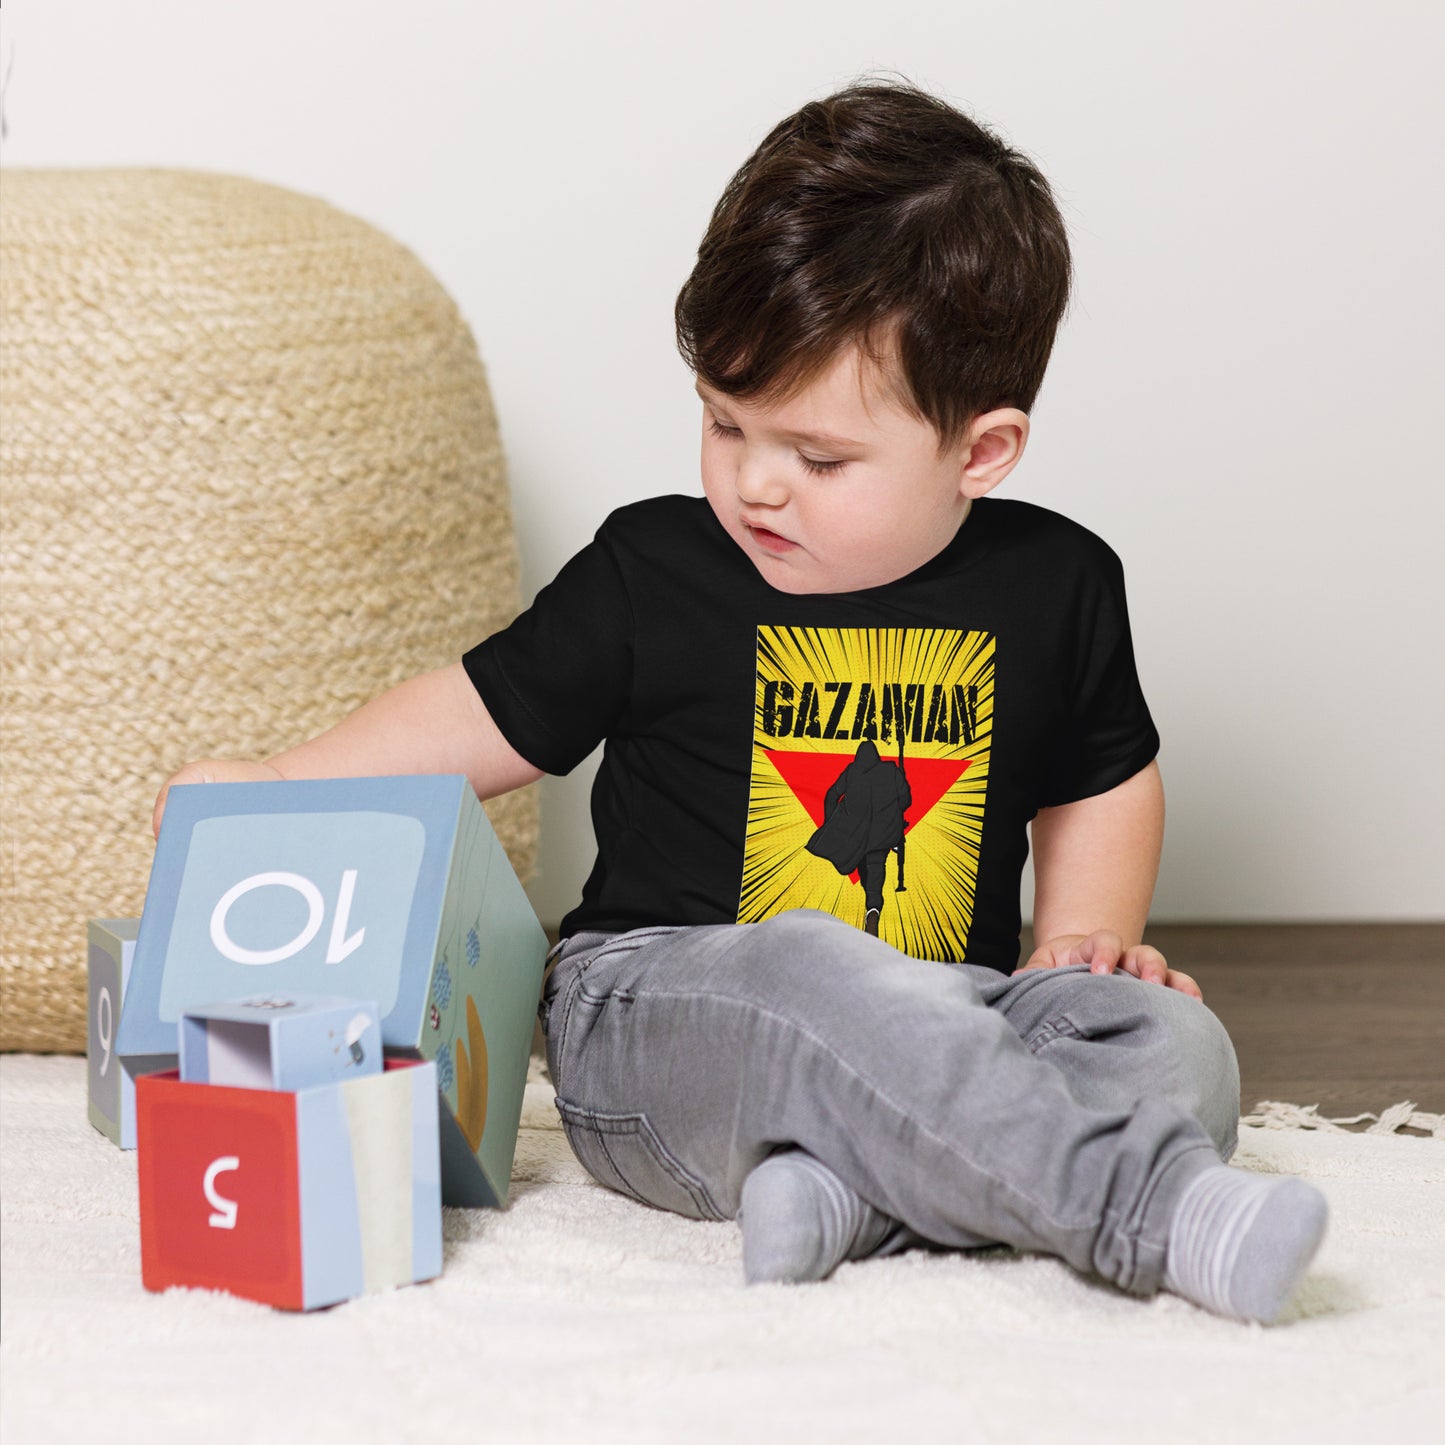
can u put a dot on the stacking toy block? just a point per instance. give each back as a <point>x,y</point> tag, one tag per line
<point>390,889</point>
<point>111,944</point>
<point>285,1043</point>
<point>295,1199</point>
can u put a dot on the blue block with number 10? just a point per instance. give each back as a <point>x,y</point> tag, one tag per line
<point>391,889</point>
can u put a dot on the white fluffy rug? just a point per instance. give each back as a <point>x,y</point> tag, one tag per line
<point>577,1315</point>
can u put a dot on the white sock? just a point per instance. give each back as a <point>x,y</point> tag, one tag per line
<point>800,1221</point>
<point>1239,1243</point>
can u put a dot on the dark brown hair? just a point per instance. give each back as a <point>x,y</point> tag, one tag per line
<point>884,217</point>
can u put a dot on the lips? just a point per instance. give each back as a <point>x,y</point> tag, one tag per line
<point>769,540</point>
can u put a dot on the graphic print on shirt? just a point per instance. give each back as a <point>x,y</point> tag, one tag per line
<point>869,778</point>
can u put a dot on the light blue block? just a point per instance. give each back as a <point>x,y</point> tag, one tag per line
<point>286,1042</point>
<point>331,1260</point>
<point>371,1208</point>
<point>390,889</point>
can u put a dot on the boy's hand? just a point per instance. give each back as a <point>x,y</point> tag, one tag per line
<point>1104,951</point>
<point>213,770</point>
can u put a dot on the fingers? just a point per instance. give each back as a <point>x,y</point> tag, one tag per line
<point>1102,950</point>
<point>211,770</point>
<point>191,773</point>
<point>1146,963</point>
<point>1184,984</point>
<point>1050,955</point>
<point>1149,965</point>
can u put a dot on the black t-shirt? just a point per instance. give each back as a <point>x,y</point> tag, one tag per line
<point>999,676</point>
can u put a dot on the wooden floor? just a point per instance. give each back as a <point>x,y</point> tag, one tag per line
<point>1347,1016</point>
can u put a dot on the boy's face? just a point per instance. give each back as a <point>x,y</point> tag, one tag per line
<point>838,488</point>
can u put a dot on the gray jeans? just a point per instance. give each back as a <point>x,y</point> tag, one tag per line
<point>1054,1110</point>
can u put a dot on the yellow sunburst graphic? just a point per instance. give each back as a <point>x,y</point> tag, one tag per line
<point>922,697</point>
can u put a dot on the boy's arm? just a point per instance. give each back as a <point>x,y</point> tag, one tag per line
<point>434,723</point>
<point>1095,864</point>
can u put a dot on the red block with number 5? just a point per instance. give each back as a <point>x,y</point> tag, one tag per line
<point>301,1199</point>
<point>220,1204</point>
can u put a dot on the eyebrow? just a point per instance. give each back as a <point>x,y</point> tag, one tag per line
<point>818,438</point>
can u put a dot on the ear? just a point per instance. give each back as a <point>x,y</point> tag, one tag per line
<point>992,449</point>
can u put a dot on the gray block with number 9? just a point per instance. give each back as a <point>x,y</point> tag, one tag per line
<point>111,943</point>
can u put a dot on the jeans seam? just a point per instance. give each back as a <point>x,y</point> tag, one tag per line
<point>1141,1209</point>
<point>636,1124</point>
<point>621,1177</point>
<point>623,1187</point>
<point>1051,1029</point>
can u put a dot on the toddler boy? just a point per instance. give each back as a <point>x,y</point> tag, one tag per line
<point>834,693</point>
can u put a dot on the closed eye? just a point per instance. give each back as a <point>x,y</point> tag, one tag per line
<point>729,432</point>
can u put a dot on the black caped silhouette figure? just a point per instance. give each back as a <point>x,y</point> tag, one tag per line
<point>863,823</point>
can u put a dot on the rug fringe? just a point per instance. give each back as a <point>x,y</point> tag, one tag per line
<point>1271,1114</point>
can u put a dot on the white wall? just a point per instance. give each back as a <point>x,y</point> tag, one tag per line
<point>1243,400</point>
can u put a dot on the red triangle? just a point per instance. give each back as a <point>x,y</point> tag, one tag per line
<point>810,775</point>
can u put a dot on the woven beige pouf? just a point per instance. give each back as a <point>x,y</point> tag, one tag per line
<point>250,477</point>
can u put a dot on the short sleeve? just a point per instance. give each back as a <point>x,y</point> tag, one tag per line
<point>557,678</point>
<point>1107,734</point>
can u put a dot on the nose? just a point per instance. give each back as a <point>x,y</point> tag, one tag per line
<point>759,484</point>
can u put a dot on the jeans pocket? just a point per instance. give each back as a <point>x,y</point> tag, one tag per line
<point>623,1152</point>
